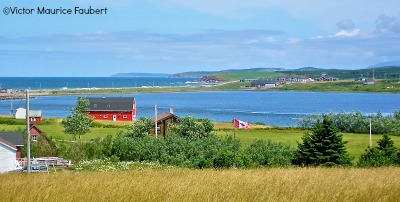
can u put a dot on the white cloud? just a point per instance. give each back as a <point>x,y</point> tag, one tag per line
<point>348,33</point>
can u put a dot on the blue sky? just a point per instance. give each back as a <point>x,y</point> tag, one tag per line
<point>172,36</point>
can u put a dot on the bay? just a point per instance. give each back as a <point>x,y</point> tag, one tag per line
<point>270,108</point>
<point>52,83</point>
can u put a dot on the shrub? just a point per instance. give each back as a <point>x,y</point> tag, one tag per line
<point>268,153</point>
<point>323,147</point>
<point>140,128</point>
<point>193,128</point>
<point>386,154</point>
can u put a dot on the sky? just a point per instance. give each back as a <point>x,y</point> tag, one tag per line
<point>173,36</point>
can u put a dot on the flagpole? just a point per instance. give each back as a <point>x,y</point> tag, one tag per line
<point>234,144</point>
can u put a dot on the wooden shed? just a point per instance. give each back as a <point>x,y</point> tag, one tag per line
<point>164,121</point>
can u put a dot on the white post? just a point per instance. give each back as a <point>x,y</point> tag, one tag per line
<point>28,140</point>
<point>155,120</point>
<point>370,132</point>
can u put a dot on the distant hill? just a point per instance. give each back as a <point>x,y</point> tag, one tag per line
<point>391,72</point>
<point>231,72</point>
<point>140,75</point>
<point>386,64</point>
<point>379,72</point>
<point>308,69</point>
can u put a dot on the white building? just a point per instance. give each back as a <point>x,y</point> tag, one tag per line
<point>20,113</point>
<point>7,156</point>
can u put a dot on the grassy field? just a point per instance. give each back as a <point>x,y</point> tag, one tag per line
<point>381,86</point>
<point>248,75</point>
<point>277,184</point>
<point>357,143</point>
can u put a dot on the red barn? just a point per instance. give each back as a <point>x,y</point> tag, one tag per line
<point>113,109</point>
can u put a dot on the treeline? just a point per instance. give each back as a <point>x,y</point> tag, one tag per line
<point>356,122</point>
<point>191,143</point>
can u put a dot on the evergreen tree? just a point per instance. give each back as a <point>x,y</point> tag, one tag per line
<point>385,154</point>
<point>323,147</point>
<point>79,122</point>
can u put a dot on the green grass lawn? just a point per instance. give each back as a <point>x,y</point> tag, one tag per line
<point>56,130</point>
<point>357,143</point>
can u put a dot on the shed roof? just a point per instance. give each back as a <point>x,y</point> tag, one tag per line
<point>14,137</point>
<point>164,116</point>
<point>111,104</point>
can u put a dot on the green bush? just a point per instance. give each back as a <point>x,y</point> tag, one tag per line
<point>140,128</point>
<point>193,128</point>
<point>268,153</point>
<point>386,154</point>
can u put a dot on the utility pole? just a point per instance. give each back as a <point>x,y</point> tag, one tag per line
<point>370,132</point>
<point>12,105</point>
<point>28,140</point>
<point>373,75</point>
<point>155,120</point>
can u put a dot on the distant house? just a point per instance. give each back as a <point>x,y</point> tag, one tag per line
<point>5,90</point>
<point>14,140</point>
<point>36,133</point>
<point>369,82</point>
<point>248,80</point>
<point>113,109</point>
<point>164,121</point>
<point>324,77</point>
<point>264,84</point>
<point>35,116</point>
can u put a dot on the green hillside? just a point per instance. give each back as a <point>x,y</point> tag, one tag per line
<point>234,74</point>
<point>392,72</point>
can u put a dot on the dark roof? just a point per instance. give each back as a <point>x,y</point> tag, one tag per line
<point>9,144</point>
<point>164,116</point>
<point>111,104</point>
<point>37,128</point>
<point>14,137</point>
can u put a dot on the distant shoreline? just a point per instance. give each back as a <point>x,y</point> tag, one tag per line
<point>345,86</point>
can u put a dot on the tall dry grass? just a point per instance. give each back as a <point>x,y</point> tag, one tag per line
<point>278,184</point>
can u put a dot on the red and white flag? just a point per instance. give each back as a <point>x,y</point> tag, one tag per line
<point>241,124</point>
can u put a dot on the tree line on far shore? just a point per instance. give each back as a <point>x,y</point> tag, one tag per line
<point>356,122</point>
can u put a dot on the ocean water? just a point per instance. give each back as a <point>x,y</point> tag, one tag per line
<point>39,83</point>
<point>270,108</point>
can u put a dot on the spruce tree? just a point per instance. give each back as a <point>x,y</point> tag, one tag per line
<point>385,154</point>
<point>323,147</point>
